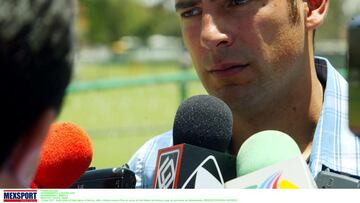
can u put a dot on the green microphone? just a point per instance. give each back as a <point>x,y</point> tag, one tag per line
<point>264,149</point>
<point>271,160</point>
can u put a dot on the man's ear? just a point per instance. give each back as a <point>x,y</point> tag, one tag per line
<point>316,11</point>
<point>21,166</point>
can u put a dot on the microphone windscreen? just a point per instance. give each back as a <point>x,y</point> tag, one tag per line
<point>65,156</point>
<point>33,185</point>
<point>264,149</point>
<point>204,121</point>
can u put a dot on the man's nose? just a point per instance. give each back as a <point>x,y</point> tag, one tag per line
<point>212,37</point>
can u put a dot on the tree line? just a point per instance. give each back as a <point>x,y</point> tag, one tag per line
<point>105,21</point>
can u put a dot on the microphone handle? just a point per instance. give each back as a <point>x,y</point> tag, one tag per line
<point>328,179</point>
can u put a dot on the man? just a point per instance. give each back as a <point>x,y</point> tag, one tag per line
<point>36,59</point>
<point>257,56</point>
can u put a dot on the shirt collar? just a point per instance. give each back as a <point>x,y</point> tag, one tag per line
<point>334,145</point>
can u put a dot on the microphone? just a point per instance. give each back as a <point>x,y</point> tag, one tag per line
<point>353,64</point>
<point>65,156</point>
<point>333,179</point>
<point>204,121</point>
<point>271,160</point>
<point>121,177</point>
<point>201,134</point>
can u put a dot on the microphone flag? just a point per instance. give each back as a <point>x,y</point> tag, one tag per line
<point>188,166</point>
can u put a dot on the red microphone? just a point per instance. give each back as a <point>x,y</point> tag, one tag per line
<point>65,155</point>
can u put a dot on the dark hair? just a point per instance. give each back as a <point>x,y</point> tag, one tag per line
<point>36,60</point>
<point>294,11</point>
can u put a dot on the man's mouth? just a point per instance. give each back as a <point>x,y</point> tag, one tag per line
<point>226,70</point>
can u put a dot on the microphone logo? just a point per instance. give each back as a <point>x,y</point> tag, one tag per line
<point>274,182</point>
<point>166,174</point>
<point>206,175</point>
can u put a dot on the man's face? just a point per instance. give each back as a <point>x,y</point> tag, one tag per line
<point>246,52</point>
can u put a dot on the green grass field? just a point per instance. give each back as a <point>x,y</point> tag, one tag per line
<point>120,120</point>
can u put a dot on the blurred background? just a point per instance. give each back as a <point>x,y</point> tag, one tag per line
<point>132,71</point>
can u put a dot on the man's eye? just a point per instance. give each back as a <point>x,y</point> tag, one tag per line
<point>190,13</point>
<point>238,2</point>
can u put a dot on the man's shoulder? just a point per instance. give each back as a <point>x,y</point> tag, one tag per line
<point>144,160</point>
<point>153,145</point>
<point>334,145</point>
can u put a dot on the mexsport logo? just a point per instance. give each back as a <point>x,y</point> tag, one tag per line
<point>20,196</point>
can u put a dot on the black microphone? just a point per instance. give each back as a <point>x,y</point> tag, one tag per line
<point>121,177</point>
<point>201,134</point>
<point>353,63</point>
<point>204,121</point>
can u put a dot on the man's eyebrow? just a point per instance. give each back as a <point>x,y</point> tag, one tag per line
<point>186,4</point>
